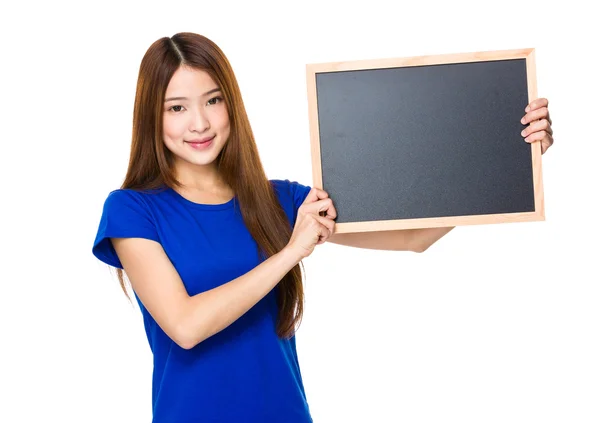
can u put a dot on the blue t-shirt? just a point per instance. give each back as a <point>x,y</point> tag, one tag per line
<point>244,373</point>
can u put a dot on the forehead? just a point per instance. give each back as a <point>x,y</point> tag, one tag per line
<point>190,82</point>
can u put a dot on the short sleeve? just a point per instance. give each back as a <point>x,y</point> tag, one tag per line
<point>299,193</point>
<point>125,215</point>
<point>292,194</point>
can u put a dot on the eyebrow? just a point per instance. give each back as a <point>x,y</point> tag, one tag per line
<point>214,90</point>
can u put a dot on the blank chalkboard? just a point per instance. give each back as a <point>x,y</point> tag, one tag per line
<point>427,141</point>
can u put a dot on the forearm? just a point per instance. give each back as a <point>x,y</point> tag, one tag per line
<point>425,238</point>
<point>416,240</point>
<point>209,312</point>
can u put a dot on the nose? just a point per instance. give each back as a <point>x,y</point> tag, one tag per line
<point>200,122</point>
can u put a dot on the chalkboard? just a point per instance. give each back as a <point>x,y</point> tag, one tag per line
<point>429,141</point>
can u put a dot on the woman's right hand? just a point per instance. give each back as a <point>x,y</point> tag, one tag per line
<point>312,229</point>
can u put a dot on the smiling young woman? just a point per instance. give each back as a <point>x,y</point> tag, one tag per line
<point>212,248</point>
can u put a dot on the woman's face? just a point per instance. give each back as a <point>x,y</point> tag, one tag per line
<point>195,119</point>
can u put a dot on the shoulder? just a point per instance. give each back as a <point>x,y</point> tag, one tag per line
<point>128,194</point>
<point>126,214</point>
<point>291,196</point>
<point>129,198</point>
<point>294,190</point>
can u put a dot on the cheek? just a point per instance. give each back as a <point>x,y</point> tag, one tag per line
<point>223,122</point>
<point>172,128</point>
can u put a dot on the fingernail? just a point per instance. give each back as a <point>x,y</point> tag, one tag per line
<point>522,120</point>
<point>523,133</point>
<point>527,109</point>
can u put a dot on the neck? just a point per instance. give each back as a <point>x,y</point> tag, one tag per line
<point>200,177</point>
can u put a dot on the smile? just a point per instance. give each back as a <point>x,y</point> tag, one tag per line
<point>200,144</point>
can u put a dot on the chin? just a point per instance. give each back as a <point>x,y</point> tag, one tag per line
<point>202,162</point>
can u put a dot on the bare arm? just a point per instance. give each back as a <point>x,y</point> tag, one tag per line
<point>417,240</point>
<point>190,320</point>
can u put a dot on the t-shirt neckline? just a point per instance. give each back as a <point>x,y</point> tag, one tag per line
<point>190,203</point>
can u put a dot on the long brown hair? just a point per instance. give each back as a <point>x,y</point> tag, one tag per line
<point>151,163</point>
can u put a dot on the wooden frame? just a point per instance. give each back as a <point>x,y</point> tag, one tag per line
<point>313,69</point>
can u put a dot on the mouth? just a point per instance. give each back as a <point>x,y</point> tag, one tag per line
<point>199,144</point>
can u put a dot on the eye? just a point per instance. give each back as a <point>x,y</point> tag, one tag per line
<point>215,100</point>
<point>173,108</point>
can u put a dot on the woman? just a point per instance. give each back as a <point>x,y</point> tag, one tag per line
<point>212,248</point>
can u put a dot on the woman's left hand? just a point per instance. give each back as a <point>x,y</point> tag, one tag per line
<point>540,124</point>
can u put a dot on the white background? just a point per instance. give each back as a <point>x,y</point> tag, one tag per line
<point>494,323</point>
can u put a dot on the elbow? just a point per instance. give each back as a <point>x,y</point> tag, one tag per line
<point>186,343</point>
<point>190,328</point>
<point>182,338</point>
<point>185,336</point>
<point>419,247</point>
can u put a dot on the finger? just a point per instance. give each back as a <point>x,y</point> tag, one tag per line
<point>536,104</point>
<point>314,195</point>
<point>540,125</point>
<point>326,229</point>
<point>328,223</point>
<point>323,235</point>
<point>537,114</point>
<point>542,136</point>
<point>330,213</point>
<point>322,206</point>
